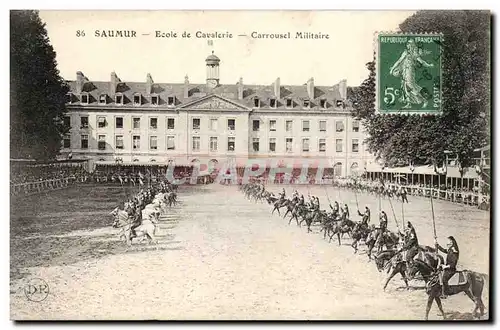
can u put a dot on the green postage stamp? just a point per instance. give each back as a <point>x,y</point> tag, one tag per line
<point>409,73</point>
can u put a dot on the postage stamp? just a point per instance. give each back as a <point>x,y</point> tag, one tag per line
<point>409,73</point>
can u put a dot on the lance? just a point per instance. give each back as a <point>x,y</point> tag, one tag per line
<point>433,220</point>
<point>356,196</point>
<point>394,213</point>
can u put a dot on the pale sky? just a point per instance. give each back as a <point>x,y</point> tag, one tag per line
<point>258,61</point>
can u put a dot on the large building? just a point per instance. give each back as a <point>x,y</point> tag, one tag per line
<point>156,123</point>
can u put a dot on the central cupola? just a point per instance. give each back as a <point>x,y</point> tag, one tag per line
<point>212,63</point>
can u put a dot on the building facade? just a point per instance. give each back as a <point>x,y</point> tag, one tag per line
<point>157,123</point>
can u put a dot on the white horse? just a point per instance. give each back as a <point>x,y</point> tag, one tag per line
<point>147,228</point>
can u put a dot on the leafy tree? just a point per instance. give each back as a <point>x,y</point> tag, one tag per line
<point>37,92</point>
<point>465,123</point>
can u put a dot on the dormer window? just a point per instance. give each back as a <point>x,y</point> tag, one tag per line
<point>103,99</point>
<point>171,100</point>
<point>273,103</point>
<point>155,99</point>
<point>85,98</point>
<point>69,98</point>
<point>289,103</point>
<point>119,99</point>
<point>322,103</point>
<point>307,103</point>
<point>137,99</point>
<point>256,102</point>
<point>339,103</point>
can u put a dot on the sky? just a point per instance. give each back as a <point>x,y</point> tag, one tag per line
<point>258,61</point>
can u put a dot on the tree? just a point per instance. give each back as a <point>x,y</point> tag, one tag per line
<point>465,122</point>
<point>37,92</point>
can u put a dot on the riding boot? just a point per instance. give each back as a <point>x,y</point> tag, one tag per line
<point>444,287</point>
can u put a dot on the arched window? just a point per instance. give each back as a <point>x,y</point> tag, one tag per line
<point>337,169</point>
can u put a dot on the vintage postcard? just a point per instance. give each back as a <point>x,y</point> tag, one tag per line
<point>250,165</point>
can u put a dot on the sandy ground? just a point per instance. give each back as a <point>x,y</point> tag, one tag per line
<point>222,257</point>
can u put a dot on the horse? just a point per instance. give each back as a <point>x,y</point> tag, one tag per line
<point>279,204</point>
<point>344,227</point>
<point>467,281</point>
<point>359,232</point>
<point>147,228</point>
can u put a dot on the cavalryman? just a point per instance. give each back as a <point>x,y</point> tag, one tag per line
<point>366,216</point>
<point>282,194</point>
<point>383,221</point>
<point>346,211</point>
<point>411,244</point>
<point>448,269</point>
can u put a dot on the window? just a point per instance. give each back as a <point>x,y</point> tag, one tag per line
<point>155,100</point>
<point>196,123</point>
<point>196,143</point>
<point>67,142</point>
<point>213,143</point>
<point>256,102</point>
<point>338,145</point>
<point>305,126</point>
<point>69,98</point>
<point>255,144</point>
<point>153,143</point>
<point>137,99</point>
<point>103,99</point>
<point>136,142</point>
<point>213,124</point>
<point>171,100</point>
<point>273,103</point>
<point>355,145</point>
<point>231,124</point>
<point>119,142</point>
<point>171,123</point>
<point>322,125</point>
<point>119,122</point>
<point>289,103</point>
<point>322,103</point>
<point>307,103</point>
<point>101,122</point>
<point>136,123</point>
<point>322,145</point>
<point>272,125</point>
<point>256,125</point>
<point>339,103</point>
<point>288,125</point>
<point>85,98</point>
<point>153,123</point>
<point>339,126</point>
<point>101,142</point>
<point>355,126</point>
<point>337,169</point>
<point>84,141</point>
<point>289,144</point>
<point>119,99</point>
<point>231,143</point>
<point>84,122</point>
<point>305,145</point>
<point>67,121</point>
<point>170,142</point>
<point>272,145</point>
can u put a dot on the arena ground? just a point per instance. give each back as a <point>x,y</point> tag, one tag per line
<point>220,257</point>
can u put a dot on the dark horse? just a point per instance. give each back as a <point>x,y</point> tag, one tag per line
<point>342,227</point>
<point>469,282</point>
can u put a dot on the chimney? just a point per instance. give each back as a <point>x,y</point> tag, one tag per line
<point>310,88</point>
<point>186,87</point>
<point>80,81</point>
<point>343,89</point>
<point>277,88</point>
<point>149,84</point>
<point>240,89</point>
<point>112,84</point>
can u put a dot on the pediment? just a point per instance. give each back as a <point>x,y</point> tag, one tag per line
<point>215,102</point>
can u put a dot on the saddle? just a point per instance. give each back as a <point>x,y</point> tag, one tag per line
<point>458,278</point>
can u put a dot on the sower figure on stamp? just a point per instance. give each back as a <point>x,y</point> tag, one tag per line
<point>447,270</point>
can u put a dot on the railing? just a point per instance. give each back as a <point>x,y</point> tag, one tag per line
<point>31,188</point>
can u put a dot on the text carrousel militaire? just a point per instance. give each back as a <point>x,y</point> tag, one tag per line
<point>173,34</point>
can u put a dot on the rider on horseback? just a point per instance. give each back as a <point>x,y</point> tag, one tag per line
<point>447,270</point>
<point>346,211</point>
<point>282,195</point>
<point>366,217</point>
<point>137,220</point>
<point>383,222</point>
<point>411,244</point>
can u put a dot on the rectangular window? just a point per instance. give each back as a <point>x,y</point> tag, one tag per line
<point>196,143</point>
<point>322,125</point>
<point>67,142</point>
<point>338,145</point>
<point>153,143</point>
<point>69,98</point>
<point>256,102</point>
<point>289,103</point>
<point>101,142</point>
<point>84,141</point>
<point>255,144</point>
<point>273,103</point>
<point>119,142</point>
<point>170,142</point>
<point>136,123</point>
<point>213,124</point>
<point>101,122</point>
<point>119,99</point>
<point>272,125</point>
<point>339,126</point>
<point>67,121</point>
<point>355,126</point>
<point>136,142</point>
<point>103,99</point>
<point>322,103</point>
<point>155,100</point>
<point>171,123</point>
<point>231,143</point>
<point>256,125</point>
<point>196,123</point>
<point>288,125</point>
<point>305,145</point>
<point>213,144</point>
<point>84,122</point>
<point>307,103</point>
<point>171,100</point>
<point>272,145</point>
<point>339,103</point>
<point>153,123</point>
<point>355,145</point>
<point>231,124</point>
<point>119,122</point>
<point>85,98</point>
<point>305,126</point>
<point>322,145</point>
<point>289,144</point>
<point>137,99</point>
